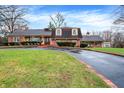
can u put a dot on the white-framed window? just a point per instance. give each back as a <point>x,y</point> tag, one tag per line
<point>58,32</point>
<point>74,32</point>
<point>16,39</point>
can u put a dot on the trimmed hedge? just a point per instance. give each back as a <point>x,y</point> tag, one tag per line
<point>66,44</point>
<point>83,45</point>
<point>25,43</point>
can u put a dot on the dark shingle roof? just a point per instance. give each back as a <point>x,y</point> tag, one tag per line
<point>91,38</point>
<point>31,32</point>
<point>67,33</point>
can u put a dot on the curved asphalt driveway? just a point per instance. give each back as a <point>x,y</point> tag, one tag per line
<point>108,65</point>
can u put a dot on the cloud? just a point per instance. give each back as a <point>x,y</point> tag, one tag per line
<point>86,20</point>
<point>37,21</point>
<point>93,20</point>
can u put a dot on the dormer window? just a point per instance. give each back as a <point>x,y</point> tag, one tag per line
<point>74,32</point>
<point>58,32</point>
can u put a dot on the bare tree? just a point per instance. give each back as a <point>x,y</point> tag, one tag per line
<point>51,26</point>
<point>119,13</point>
<point>118,35</point>
<point>11,17</point>
<point>57,21</point>
<point>118,40</point>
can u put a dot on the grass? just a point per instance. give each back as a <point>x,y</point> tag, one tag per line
<point>111,50</point>
<point>44,68</point>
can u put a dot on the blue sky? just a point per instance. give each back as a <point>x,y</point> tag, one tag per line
<point>87,17</point>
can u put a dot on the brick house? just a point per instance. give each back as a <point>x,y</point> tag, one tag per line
<point>66,36</point>
<point>92,40</point>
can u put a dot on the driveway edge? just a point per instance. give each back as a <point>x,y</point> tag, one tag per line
<point>104,52</point>
<point>106,80</point>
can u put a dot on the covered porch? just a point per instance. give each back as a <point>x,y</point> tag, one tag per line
<point>40,40</point>
<point>29,40</point>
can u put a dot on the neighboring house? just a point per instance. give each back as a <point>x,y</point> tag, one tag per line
<point>106,44</point>
<point>107,36</point>
<point>30,36</point>
<point>92,40</point>
<point>66,36</point>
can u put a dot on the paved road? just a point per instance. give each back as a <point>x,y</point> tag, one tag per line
<point>108,65</point>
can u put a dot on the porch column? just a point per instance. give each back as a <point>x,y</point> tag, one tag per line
<point>78,43</point>
<point>94,45</point>
<point>43,41</point>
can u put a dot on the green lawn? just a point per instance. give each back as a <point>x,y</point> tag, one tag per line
<point>111,50</point>
<point>44,68</point>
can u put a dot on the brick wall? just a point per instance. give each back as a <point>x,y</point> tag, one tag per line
<point>78,43</point>
<point>53,43</point>
<point>10,39</point>
<point>22,39</point>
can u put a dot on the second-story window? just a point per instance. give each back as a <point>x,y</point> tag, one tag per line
<point>74,32</point>
<point>58,32</point>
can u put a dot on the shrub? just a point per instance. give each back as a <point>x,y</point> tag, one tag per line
<point>83,45</point>
<point>71,44</point>
<point>4,41</point>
